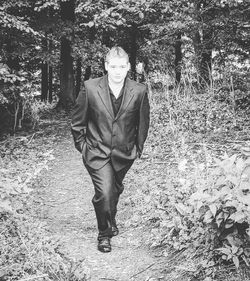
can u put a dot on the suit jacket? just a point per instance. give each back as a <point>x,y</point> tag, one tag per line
<point>100,135</point>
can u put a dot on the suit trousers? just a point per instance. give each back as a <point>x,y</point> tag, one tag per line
<point>108,187</point>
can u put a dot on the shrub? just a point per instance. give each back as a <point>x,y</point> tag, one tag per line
<point>18,102</point>
<point>207,201</point>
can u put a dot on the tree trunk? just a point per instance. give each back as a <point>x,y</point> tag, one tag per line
<point>203,42</point>
<point>13,61</point>
<point>106,42</point>
<point>178,59</point>
<point>45,78</point>
<point>67,96</point>
<point>44,82</point>
<point>78,75</point>
<point>133,50</point>
<point>66,75</point>
<point>50,97</point>
<point>203,52</point>
<point>50,78</point>
<point>87,73</point>
<point>197,46</point>
<point>206,57</point>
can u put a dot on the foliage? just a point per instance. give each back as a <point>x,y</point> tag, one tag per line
<point>27,251</point>
<point>196,199</point>
<point>148,30</point>
<point>10,21</point>
<point>224,206</point>
<point>18,97</point>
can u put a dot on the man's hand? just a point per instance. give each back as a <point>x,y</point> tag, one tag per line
<point>138,154</point>
<point>79,146</point>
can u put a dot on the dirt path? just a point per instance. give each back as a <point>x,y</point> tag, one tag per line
<point>67,195</point>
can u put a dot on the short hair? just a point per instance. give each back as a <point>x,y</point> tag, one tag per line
<point>116,52</point>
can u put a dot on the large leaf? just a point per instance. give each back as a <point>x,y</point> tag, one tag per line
<point>182,209</point>
<point>238,216</point>
<point>213,209</point>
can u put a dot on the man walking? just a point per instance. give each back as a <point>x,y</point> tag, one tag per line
<point>110,124</point>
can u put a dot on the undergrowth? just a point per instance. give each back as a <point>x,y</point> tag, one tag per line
<point>28,251</point>
<point>198,200</point>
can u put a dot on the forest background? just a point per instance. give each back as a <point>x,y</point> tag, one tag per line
<point>194,57</point>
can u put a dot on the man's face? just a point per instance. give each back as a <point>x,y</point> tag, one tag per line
<point>117,69</point>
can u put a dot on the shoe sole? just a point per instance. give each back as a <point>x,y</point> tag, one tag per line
<point>104,250</point>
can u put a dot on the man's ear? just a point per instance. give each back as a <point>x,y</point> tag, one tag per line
<point>106,66</point>
<point>129,66</point>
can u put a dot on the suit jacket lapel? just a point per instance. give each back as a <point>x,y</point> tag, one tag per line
<point>127,97</point>
<point>103,91</point>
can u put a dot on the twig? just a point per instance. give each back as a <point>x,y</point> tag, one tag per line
<point>34,277</point>
<point>31,139</point>
<point>111,279</point>
<point>142,270</point>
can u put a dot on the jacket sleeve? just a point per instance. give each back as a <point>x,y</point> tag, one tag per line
<point>143,124</point>
<point>79,119</point>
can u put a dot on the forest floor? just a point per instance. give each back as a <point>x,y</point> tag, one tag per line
<point>63,196</point>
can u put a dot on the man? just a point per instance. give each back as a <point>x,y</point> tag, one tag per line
<point>110,124</point>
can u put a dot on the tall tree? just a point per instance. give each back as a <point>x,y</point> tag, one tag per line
<point>203,39</point>
<point>67,87</point>
<point>45,72</point>
<point>178,58</point>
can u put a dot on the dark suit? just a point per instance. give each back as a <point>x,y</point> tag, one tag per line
<point>109,143</point>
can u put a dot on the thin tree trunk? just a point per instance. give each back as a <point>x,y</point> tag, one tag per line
<point>50,78</point>
<point>50,90</point>
<point>78,75</point>
<point>44,81</point>
<point>133,51</point>
<point>45,78</point>
<point>206,56</point>
<point>13,61</point>
<point>106,42</point>
<point>178,59</point>
<point>87,73</point>
<point>66,75</point>
<point>67,90</point>
<point>203,42</point>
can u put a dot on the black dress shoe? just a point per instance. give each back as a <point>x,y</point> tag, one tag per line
<point>104,245</point>
<point>115,230</point>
